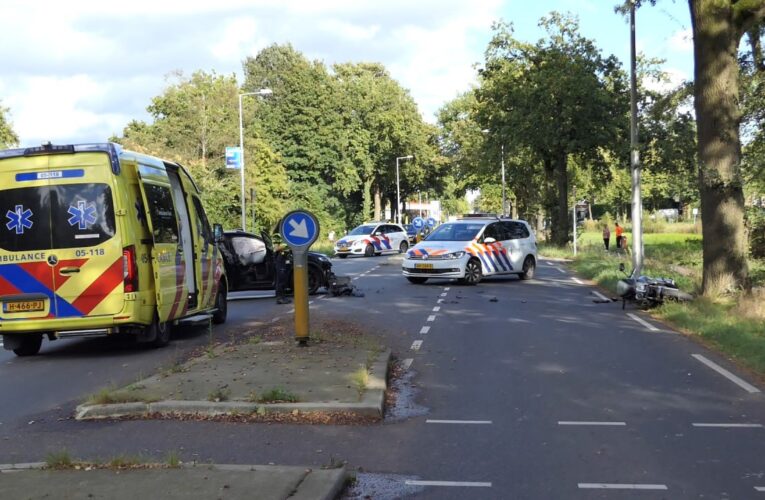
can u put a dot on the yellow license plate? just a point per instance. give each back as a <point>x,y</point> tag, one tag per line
<point>423,266</point>
<point>24,306</point>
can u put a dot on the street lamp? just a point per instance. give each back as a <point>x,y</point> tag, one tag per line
<point>261,93</point>
<point>637,202</point>
<point>398,188</point>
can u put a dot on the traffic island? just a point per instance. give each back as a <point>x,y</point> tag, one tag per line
<point>180,481</point>
<point>263,375</point>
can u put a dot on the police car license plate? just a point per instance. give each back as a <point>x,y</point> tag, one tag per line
<point>423,266</point>
<point>343,247</point>
<point>24,306</point>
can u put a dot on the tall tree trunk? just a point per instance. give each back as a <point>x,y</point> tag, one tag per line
<point>561,219</point>
<point>378,203</point>
<point>550,200</point>
<point>716,39</point>
<point>366,204</point>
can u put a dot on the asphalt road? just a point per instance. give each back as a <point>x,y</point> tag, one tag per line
<point>529,389</point>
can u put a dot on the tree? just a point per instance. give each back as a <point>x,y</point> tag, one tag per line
<point>718,26</point>
<point>8,137</point>
<point>557,98</point>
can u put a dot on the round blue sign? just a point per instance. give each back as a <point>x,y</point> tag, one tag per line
<point>300,228</point>
<point>418,223</point>
<point>431,222</point>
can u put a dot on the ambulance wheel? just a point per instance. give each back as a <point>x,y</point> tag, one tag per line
<point>369,251</point>
<point>529,267</point>
<point>30,345</point>
<point>416,280</point>
<point>473,273</point>
<point>221,306</point>
<point>403,247</point>
<point>160,331</point>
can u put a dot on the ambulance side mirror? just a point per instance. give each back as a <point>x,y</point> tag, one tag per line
<point>217,233</point>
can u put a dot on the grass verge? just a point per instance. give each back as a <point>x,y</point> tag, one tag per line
<point>109,395</point>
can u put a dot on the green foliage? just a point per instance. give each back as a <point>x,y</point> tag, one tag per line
<point>276,395</point>
<point>8,137</point>
<point>756,225</point>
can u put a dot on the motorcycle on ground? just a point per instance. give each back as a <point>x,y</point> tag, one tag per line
<point>647,291</point>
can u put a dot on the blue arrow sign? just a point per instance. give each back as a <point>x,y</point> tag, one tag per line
<point>300,228</point>
<point>431,222</point>
<point>418,223</point>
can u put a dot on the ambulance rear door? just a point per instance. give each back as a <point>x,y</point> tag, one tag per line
<point>166,262</point>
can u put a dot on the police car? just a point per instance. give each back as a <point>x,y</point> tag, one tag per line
<point>473,247</point>
<point>373,238</point>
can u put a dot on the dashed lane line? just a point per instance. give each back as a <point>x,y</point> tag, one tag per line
<point>643,322</point>
<point>620,486</point>
<point>560,270</point>
<point>443,294</point>
<point>575,422</point>
<point>424,330</point>
<point>725,373</point>
<point>577,281</point>
<point>407,363</point>
<point>600,295</point>
<point>761,489</point>
<point>465,422</point>
<point>440,301</point>
<point>436,309</point>
<point>731,426</point>
<point>468,484</point>
<point>416,345</point>
<point>432,317</point>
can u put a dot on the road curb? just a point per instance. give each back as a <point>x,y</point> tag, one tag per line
<point>371,405</point>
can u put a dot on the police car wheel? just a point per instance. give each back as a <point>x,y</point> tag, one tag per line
<point>342,255</point>
<point>369,251</point>
<point>403,247</point>
<point>416,280</point>
<point>30,345</point>
<point>472,273</point>
<point>529,267</point>
<point>221,306</point>
<point>162,331</point>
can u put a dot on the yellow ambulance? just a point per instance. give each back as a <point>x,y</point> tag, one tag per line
<point>97,240</point>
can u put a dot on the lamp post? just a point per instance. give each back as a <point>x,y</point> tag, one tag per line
<point>262,93</point>
<point>398,188</point>
<point>637,202</point>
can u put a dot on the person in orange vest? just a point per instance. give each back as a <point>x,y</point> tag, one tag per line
<point>619,233</point>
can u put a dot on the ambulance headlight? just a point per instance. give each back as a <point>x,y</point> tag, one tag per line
<point>455,255</point>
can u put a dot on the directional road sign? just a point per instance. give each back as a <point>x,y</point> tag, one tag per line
<point>431,222</point>
<point>300,229</point>
<point>233,157</point>
<point>418,223</point>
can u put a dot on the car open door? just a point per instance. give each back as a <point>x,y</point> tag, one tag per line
<point>166,261</point>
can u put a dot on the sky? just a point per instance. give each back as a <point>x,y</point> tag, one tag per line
<point>80,70</point>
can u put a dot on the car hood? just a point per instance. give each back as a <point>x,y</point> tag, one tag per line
<point>434,248</point>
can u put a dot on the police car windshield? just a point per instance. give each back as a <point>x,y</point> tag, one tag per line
<point>362,230</point>
<point>455,232</point>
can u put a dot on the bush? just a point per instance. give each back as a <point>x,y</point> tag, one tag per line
<point>755,221</point>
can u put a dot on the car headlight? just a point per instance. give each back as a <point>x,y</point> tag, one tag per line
<point>322,258</point>
<point>455,255</point>
<point>358,243</point>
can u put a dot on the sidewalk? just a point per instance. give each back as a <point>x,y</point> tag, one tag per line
<point>200,481</point>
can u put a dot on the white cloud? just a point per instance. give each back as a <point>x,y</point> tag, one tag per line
<point>681,41</point>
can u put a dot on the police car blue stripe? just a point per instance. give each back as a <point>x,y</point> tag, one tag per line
<point>26,283</point>
<point>486,264</point>
<point>498,259</point>
<point>509,265</point>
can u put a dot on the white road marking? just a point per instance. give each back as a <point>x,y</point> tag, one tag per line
<point>643,322</point>
<point>310,302</point>
<point>600,295</point>
<point>759,488</point>
<point>466,422</point>
<point>448,483</point>
<point>577,280</point>
<point>446,289</point>
<point>416,345</point>
<point>732,426</point>
<point>436,309</point>
<point>432,317</point>
<point>725,373</point>
<point>440,301</point>
<point>549,263</point>
<point>355,278</point>
<point>573,422</point>
<point>407,363</point>
<point>424,329</point>
<point>560,270</point>
<point>617,486</point>
<point>443,295</point>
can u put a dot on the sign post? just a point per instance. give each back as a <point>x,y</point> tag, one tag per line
<point>299,229</point>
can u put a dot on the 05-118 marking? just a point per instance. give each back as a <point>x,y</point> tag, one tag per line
<point>89,252</point>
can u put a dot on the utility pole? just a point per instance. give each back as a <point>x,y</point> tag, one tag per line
<point>637,202</point>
